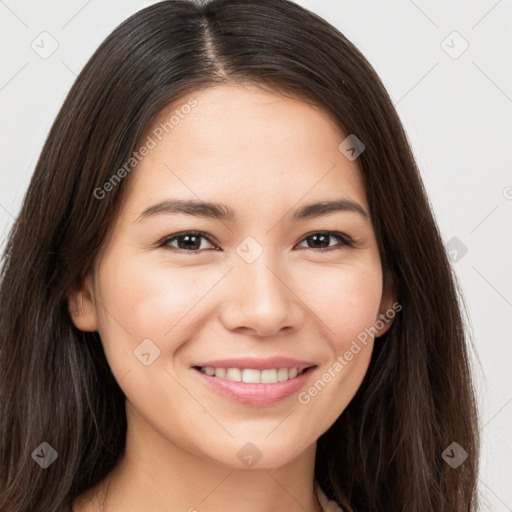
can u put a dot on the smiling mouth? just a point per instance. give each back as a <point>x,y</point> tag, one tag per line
<point>254,376</point>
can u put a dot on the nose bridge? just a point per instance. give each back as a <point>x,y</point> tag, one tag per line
<point>259,291</point>
<point>259,278</point>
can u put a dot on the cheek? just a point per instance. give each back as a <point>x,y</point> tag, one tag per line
<point>142,300</point>
<point>150,300</point>
<point>346,299</point>
<point>347,302</point>
<point>170,305</point>
<point>139,302</point>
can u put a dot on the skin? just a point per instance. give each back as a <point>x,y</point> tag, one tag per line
<point>263,155</point>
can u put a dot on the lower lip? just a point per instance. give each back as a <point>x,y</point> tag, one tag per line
<point>256,394</point>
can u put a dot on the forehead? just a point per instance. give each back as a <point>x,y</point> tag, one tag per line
<point>231,142</point>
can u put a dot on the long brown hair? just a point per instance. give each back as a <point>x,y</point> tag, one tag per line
<point>384,452</point>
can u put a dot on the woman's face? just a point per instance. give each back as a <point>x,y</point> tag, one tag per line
<point>265,282</point>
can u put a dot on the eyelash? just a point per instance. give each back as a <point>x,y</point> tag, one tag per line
<point>345,240</point>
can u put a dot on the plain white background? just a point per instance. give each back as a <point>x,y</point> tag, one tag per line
<point>447,67</point>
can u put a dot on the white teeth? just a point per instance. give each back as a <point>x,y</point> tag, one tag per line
<point>220,372</point>
<point>269,376</point>
<point>282,374</point>
<point>252,376</point>
<point>234,374</point>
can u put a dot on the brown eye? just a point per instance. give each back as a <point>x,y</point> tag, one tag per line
<point>188,241</point>
<point>320,241</point>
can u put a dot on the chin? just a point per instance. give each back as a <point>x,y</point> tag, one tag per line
<point>264,454</point>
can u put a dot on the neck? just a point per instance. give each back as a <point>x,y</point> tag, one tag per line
<point>158,475</point>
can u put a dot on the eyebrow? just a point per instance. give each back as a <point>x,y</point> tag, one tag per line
<point>220,211</point>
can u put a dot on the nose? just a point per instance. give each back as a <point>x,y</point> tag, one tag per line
<point>261,299</point>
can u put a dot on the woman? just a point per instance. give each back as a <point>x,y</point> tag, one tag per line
<point>172,336</point>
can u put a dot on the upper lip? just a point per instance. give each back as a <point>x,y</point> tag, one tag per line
<point>258,364</point>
